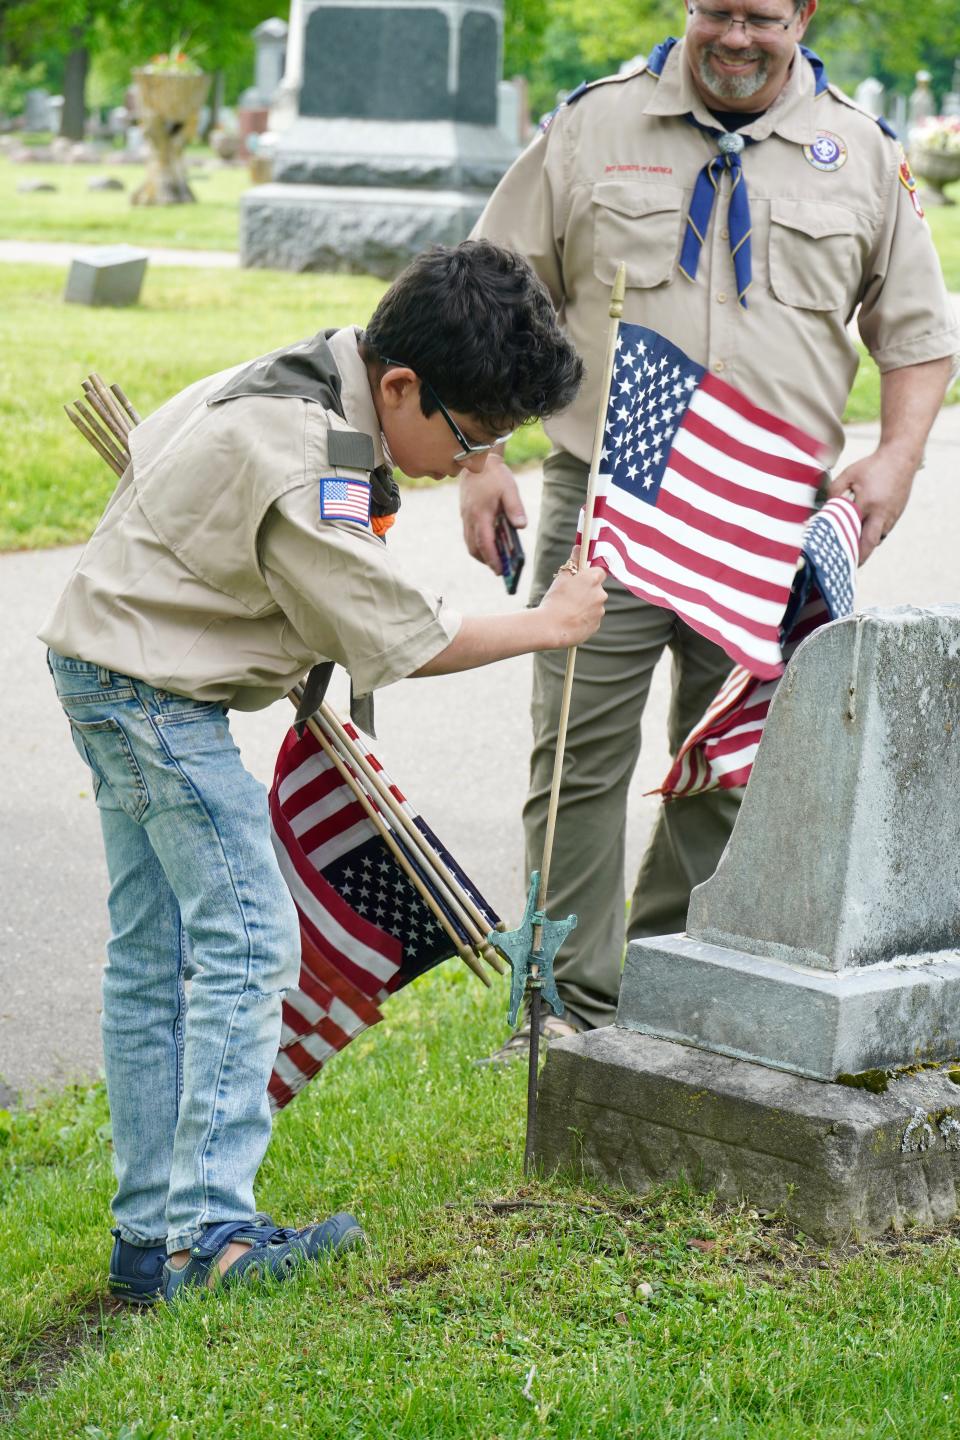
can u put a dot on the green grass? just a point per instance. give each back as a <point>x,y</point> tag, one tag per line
<point>570,1312</point>
<point>105,217</point>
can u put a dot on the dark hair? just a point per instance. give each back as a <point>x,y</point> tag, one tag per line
<point>475,322</point>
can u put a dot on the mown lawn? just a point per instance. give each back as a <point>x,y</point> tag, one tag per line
<point>487,1307</point>
<point>106,217</point>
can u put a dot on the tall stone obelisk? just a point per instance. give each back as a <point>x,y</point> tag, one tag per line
<point>395,143</point>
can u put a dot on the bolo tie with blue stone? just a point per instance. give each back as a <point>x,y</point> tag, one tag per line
<point>705,192</point>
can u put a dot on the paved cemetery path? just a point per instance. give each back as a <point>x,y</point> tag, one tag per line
<point>57,252</point>
<point>457,745</point>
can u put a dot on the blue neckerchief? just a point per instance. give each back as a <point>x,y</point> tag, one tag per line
<point>707,185</point>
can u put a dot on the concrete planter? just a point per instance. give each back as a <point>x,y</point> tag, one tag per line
<point>170,107</point>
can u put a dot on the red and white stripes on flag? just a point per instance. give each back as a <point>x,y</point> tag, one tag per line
<point>720,750</point>
<point>701,498</point>
<point>365,931</point>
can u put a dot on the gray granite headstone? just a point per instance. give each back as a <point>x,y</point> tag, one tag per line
<point>821,962</point>
<point>110,275</point>
<point>392,96</point>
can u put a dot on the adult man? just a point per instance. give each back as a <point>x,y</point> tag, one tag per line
<point>755,272</point>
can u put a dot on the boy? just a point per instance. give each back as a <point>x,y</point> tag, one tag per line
<point>242,545</point>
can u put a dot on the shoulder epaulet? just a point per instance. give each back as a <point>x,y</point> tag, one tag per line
<point>581,90</point>
<point>852,104</point>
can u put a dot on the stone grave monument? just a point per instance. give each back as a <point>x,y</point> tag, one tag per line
<point>798,1045</point>
<point>395,144</point>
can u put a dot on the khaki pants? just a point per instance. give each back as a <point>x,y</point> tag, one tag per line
<point>611,685</point>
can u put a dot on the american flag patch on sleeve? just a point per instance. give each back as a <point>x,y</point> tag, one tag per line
<point>345,500</point>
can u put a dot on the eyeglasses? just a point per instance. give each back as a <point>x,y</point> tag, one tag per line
<point>721,22</point>
<point>467,448</point>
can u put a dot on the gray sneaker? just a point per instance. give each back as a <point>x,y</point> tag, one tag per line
<point>518,1045</point>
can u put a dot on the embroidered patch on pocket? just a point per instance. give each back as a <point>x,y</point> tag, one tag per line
<point>345,500</point>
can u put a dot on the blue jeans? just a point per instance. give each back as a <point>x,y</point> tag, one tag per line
<point>195,892</point>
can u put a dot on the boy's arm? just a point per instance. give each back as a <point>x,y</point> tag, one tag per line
<point>567,615</point>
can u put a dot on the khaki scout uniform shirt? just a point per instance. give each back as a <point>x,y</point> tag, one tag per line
<point>212,574</point>
<point>611,180</point>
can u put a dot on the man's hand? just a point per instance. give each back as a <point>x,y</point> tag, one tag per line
<point>481,496</point>
<point>880,485</point>
<point>909,400</point>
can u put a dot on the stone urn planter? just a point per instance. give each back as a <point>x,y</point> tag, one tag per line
<point>169,104</point>
<point>936,169</point>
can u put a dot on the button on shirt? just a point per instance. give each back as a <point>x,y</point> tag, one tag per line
<point>611,181</point>
<point>236,586</point>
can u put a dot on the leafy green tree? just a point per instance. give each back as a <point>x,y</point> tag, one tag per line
<point>77,31</point>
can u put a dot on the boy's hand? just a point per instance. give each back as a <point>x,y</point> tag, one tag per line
<point>574,604</point>
<point>482,494</point>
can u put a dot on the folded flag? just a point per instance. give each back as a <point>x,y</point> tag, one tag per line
<point>720,750</point>
<point>365,931</point>
<point>701,498</point>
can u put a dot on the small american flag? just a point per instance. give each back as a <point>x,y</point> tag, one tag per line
<point>365,931</point>
<point>720,750</point>
<point>702,498</point>
<point>345,500</point>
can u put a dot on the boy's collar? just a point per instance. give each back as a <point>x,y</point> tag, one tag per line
<point>358,407</point>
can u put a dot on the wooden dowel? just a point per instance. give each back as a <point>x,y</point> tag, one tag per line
<point>464,907</point>
<point>119,437</point>
<point>452,892</point>
<point>616,310</point>
<point>466,955</point>
<point>111,402</point>
<point>92,439</point>
<point>126,404</point>
<point>106,439</point>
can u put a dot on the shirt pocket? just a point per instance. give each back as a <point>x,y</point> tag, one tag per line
<point>640,225</point>
<point>815,255</point>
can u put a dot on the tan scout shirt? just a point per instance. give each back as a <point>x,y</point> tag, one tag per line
<point>211,572</point>
<point>611,180</point>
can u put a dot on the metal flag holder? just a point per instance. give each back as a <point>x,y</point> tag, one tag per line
<point>532,947</point>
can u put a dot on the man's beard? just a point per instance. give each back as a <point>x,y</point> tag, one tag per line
<point>733,87</point>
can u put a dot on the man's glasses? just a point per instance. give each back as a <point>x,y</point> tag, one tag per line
<point>721,22</point>
<point>467,447</point>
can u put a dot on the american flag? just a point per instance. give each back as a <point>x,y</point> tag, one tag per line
<point>345,500</point>
<point>702,498</point>
<point>720,750</point>
<point>365,931</point>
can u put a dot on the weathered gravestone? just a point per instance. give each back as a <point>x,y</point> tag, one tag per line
<point>396,143</point>
<point>107,275</point>
<point>798,1045</point>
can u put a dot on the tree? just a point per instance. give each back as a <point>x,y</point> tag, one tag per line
<point>217,36</point>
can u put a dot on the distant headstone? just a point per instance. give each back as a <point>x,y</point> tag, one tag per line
<point>394,98</point>
<point>36,187</point>
<point>105,182</point>
<point>922,103</point>
<point>270,40</point>
<point>772,1050</point>
<point>110,275</point>
<point>37,113</point>
<point>118,120</point>
<point>870,93</point>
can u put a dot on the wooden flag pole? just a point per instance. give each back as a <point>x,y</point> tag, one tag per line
<point>475,923</point>
<point>534,982</point>
<point>465,953</point>
<point>616,311</point>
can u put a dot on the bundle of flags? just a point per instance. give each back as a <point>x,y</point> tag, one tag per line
<point>720,750</point>
<point>366,930</point>
<point>701,498</point>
